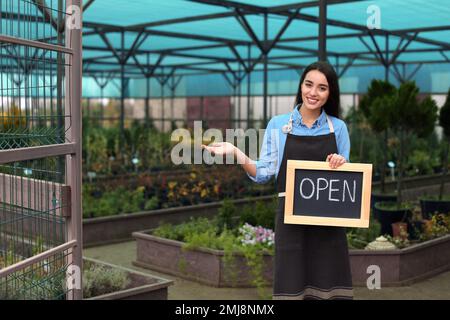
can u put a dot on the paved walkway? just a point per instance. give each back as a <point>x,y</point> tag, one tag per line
<point>124,253</point>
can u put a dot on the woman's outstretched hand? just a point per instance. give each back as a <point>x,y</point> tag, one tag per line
<point>220,148</point>
<point>226,149</point>
<point>335,160</point>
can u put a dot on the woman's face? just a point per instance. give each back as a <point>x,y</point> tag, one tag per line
<point>315,90</point>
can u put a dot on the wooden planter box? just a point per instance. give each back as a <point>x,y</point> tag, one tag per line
<point>142,286</point>
<point>204,265</point>
<point>118,228</point>
<point>398,267</point>
<point>104,230</point>
<point>403,266</point>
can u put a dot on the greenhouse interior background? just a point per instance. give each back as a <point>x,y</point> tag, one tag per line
<point>92,92</point>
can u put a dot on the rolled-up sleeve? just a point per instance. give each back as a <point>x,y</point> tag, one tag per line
<point>343,142</point>
<point>266,166</point>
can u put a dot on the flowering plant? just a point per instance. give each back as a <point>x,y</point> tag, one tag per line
<point>251,235</point>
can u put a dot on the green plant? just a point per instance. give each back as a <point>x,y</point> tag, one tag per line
<point>260,213</point>
<point>366,145</point>
<point>444,122</point>
<point>438,226</point>
<point>201,232</point>
<point>225,216</point>
<point>377,112</point>
<point>44,280</point>
<point>95,150</point>
<point>399,242</point>
<point>255,261</point>
<point>152,203</point>
<point>359,238</point>
<point>99,280</point>
<point>409,117</point>
<point>133,200</point>
<point>181,231</point>
<point>420,162</point>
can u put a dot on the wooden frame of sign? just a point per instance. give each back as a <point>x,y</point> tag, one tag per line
<point>309,219</point>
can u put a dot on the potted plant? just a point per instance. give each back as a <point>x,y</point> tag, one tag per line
<point>431,205</point>
<point>400,230</point>
<point>409,119</point>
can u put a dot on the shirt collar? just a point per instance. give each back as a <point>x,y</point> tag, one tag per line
<point>298,120</point>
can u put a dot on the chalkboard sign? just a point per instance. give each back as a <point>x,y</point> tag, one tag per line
<point>319,195</point>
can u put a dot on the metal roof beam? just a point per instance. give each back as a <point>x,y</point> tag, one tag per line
<point>109,45</point>
<point>354,26</point>
<point>375,53</point>
<point>136,45</point>
<point>183,55</point>
<point>43,8</point>
<point>240,17</point>
<point>238,57</point>
<point>233,5</point>
<point>283,29</point>
<point>87,5</point>
<point>399,50</point>
<point>397,74</point>
<point>347,65</point>
<point>444,55</point>
<point>414,71</point>
<point>309,4</point>
<point>228,80</point>
<point>182,20</point>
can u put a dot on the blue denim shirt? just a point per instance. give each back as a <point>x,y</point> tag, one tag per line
<point>274,141</point>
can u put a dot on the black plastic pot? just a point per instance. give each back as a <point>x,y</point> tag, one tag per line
<point>429,207</point>
<point>387,217</point>
<point>375,198</point>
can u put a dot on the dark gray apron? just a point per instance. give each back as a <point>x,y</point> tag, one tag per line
<point>311,262</point>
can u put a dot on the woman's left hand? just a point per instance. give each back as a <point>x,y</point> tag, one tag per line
<point>335,160</point>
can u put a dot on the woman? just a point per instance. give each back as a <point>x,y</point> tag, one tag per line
<point>311,262</point>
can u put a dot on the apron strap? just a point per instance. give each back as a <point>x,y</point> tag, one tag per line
<point>330,124</point>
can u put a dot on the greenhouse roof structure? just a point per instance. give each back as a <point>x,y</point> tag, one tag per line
<point>182,37</point>
<point>223,41</point>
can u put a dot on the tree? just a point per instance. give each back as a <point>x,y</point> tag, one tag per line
<point>376,109</point>
<point>409,117</point>
<point>444,122</point>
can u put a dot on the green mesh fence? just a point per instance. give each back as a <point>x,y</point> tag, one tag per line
<point>45,280</point>
<point>32,109</point>
<point>34,199</point>
<point>33,205</point>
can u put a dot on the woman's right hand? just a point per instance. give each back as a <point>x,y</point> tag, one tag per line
<point>220,148</point>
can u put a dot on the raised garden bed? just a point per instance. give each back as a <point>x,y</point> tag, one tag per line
<point>140,286</point>
<point>110,229</point>
<point>403,266</point>
<point>119,228</point>
<point>204,265</point>
<point>398,267</point>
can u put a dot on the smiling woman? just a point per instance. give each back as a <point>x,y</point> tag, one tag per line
<point>306,265</point>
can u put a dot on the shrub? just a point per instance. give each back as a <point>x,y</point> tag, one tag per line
<point>152,203</point>
<point>359,238</point>
<point>99,280</point>
<point>260,214</point>
<point>225,216</point>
